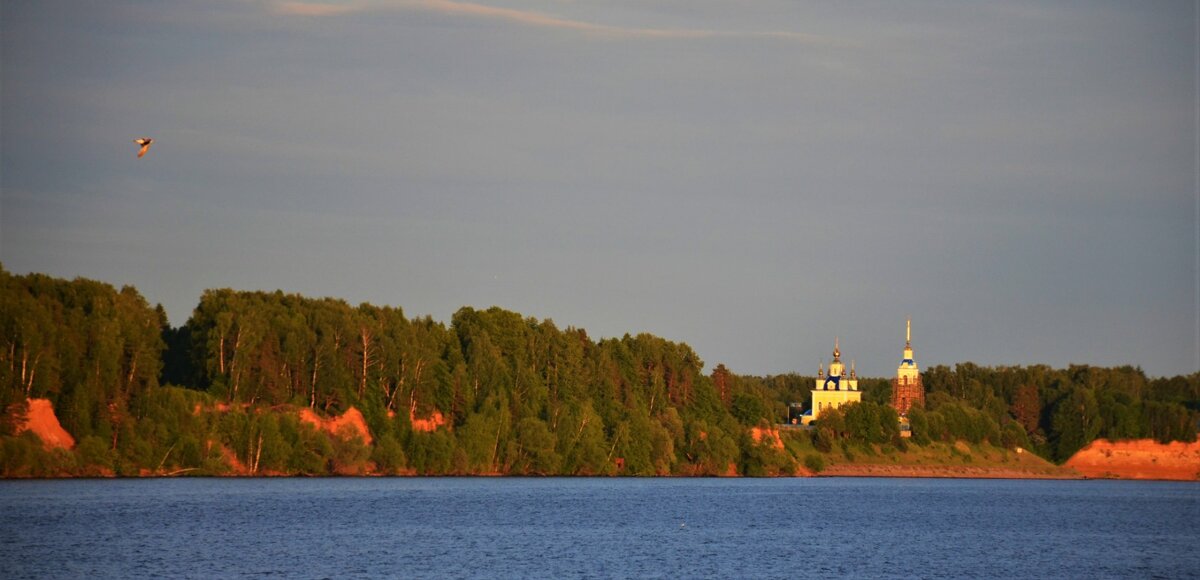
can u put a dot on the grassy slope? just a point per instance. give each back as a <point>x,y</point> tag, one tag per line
<point>934,460</point>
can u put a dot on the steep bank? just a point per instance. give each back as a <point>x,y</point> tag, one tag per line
<point>349,423</point>
<point>1138,459</point>
<point>41,420</point>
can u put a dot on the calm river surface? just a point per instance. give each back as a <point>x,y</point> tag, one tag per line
<point>555,528</point>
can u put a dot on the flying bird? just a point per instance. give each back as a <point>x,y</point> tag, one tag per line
<point>145,143</point>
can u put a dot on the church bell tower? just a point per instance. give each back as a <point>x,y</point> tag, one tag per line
<point>907,388</point>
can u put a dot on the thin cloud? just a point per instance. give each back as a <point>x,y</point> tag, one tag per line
<point>314,9</point>
<point>525,18</point>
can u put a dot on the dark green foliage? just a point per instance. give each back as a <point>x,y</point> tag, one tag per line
<point>921,432</point>
<point>94,456</point>
<point>765,461</point>
<point>947,419</point>
<point>708,448</point>
<point>1012,435</point>
<point>481,436</point>
<point>581,439</point>
<point>311,450</point>
<point>388,455</point>
<point>1075,420</point>
<point>1168,422</point>
<point>350,454</point>
<point>177,367</point>
<point>814,462</point>
<point>824,438</point>
<point>871,422</point>
<point>878,391</point>
<point>24,456</point>
<point>834,420</point>
<point>536,448</point>
<point>749,409</point>
<point>431,453</point>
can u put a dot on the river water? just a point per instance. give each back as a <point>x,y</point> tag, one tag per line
<point>598,528</point>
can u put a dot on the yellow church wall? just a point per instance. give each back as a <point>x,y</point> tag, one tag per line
<point>822,400</point>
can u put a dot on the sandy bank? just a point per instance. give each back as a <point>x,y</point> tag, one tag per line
<point>427,425</point>
<point>766,436</point>
<point>352,419</point>
<point>44,423</point>
<point>1138,459</point>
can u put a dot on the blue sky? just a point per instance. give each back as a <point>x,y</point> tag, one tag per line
<point>752,178</point>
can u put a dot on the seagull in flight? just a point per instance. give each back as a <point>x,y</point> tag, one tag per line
<point>145,143</point>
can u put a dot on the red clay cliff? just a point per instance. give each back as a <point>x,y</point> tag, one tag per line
<point>1138,459</point>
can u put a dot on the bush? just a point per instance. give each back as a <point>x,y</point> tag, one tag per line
<point>1013,435</point>
<point>310,452</point>
<point>94,456</point>
<point>764,460</point>
<point>432,453</point>
<point>815,463</point>
<point>869,422</point>
<point>24,456</point>
<point>920,426</point>
<point>20,456</point>
<point>823,439</point>
<point>349,452</point>
<point>388,455</point>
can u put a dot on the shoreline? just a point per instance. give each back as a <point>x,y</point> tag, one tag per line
<point>1127,460</point>
<point>943,472</point>
<point>872,471</point>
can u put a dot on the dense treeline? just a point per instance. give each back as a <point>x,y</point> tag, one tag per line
<point>491,392</point>
<point>517,395</point>
<point>1061,410</point>
<point>504,394</point>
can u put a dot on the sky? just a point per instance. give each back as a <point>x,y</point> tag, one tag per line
<point>752,178</point>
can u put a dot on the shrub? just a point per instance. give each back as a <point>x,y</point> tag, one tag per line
<point>815,463</point>
<point>823,439</point>
<point>349,452</point>
<point>388,455</point>
<point>94,456</point>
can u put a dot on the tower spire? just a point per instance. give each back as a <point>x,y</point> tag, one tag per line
<point>907,388</point>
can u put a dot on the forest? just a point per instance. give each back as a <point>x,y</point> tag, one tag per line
<point>491,393</point>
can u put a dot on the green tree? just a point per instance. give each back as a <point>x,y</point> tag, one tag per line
<point>749,409</point>
<point>1076,422</point>
<point>537,448</point>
